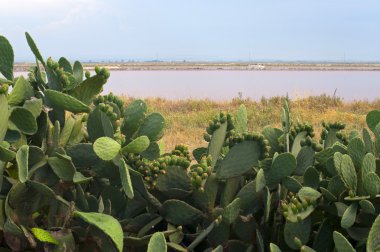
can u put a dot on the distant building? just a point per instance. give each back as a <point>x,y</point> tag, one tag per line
<point>256,67</point>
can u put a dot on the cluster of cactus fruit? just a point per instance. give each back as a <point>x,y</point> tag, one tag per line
<point>4,88</point>
<point>81,171</point>
<point>335,128</point>
<point>152,169</point>
<point>215,124</point>
<point>200,172</point>
<point>112,106</point>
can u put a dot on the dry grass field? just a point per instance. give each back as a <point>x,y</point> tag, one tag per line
<point>187,119</point>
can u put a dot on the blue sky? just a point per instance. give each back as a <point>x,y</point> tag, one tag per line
<point>195,29</point>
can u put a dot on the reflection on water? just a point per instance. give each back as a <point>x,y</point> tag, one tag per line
<point>223,85</point>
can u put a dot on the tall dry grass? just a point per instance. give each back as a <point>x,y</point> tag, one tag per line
<point>187,119</point>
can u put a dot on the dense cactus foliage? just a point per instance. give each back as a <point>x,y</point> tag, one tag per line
<point>81,171</point>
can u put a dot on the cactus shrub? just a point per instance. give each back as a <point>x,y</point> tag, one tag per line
<point>82,171</point>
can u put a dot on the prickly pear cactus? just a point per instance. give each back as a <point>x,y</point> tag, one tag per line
<point>81,170</point>
<point>64,158</point>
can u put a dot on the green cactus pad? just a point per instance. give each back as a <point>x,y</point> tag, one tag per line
<point>6,58</point>
<point>231,211</point>
<point>356,150</point>
<point>99,125</point>
<point>106,148</point>
<point>66,102</point>
<point>22,157</point>
<point>201,236</point>
<point>368,164</point>
<point>21,91</point>
<point>174,183</point>
<point>331,171</point>
<point>152,127</point>
<point>283,166</point>
<point>377,137</point>
<point>250,201</point>
<point>260,180</point>
<point>367,206</point>
<point>328,196</point>
<point>296,146</point>
<point>138,145</point>
<point>330,134</point>
<point>206,199</point>
<point>349,216</point>
<point>217,142</point>
<point>337,159</point>
<point>34,106</point>
<point>323,240</point>
<point>23,120</point>
<point>244,228</point>
<point>286,116</point>
<point>54,81</point>
<point>219,234</point>
<point>107,224</point>
<point>373,119</point>
<point>133,118</point>
<point>240,159</point>
<point>79,178</point>
<point>78,132</point>
<point>43,236</point>
<point>34,48</point>
<point>369,146</point>
<point>305,159</point>
<point>88,89</point>
<point>308,193</point>
<point>373,242</point>
<point>300,230</point>
<point>348,173</point>
<point>66,131</point>
<point>273,135</point>
<point>241,120</point>
<point>157,243</point>
<point>291,184</point>
<point>26,198</point>
<point>323,156</point>
<point>341,243</point>
<point>62,166</point>
<point>274,248</point>
<point>311,178</point>
<point>4,118</point>
<point>126,179</point>
<point>5,154</point>
<point>78,71</point>
<point>353,134</point>
<point>180,213</point>
<point>152,152</point>
<point>65,64</point>
<point>82,155</point>
<point>372,184</point>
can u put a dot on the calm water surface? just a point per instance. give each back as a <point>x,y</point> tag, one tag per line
<point>223,85</point>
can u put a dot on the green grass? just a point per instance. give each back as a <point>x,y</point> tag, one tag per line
<point>187,119</point>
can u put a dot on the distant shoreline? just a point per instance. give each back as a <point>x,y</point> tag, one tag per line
<point>169,66</point>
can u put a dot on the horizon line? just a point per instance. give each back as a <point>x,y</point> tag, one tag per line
<point>264,61</point>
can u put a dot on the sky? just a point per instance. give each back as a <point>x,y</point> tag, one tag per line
<point>195,30</point>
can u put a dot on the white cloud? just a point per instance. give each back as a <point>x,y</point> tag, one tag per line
<point>77,10</point>
<point>10,6</point>
<point>54,13</point>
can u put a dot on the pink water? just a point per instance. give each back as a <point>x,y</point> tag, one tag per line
<point>223,85</point>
